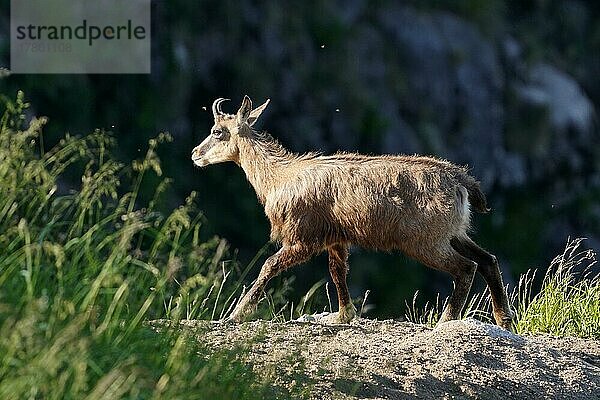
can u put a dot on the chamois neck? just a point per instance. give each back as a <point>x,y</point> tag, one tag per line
<point>262,158</point>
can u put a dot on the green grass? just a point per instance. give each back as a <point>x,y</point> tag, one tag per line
<point>82,270</point>
<point>566,304</point>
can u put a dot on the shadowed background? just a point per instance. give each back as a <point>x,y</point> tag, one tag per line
<point>509,88</point>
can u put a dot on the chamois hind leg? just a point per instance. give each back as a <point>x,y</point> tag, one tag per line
<point>285,258</point>
<point>338,268</point>
<point>487,266</point>
<point>462,270</point>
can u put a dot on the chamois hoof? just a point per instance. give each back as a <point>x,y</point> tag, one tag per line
<point>441,322</point>
<point>508,323</point>
<point>446,317</point>
<point>347,313</point>
<point>238,315</point>
<point>344,316</point>
<point>506,320</point>
<point>333,319</point>
<point>232,319</point>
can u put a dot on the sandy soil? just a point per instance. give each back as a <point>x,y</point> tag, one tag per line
<point>371,359</point>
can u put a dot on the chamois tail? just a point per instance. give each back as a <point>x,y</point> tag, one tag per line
<point>476,197</point>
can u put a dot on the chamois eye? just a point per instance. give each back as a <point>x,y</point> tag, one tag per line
<point>217,133</point>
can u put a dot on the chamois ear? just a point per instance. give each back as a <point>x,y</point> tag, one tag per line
<point>257,112</point>
<point>245,109</point>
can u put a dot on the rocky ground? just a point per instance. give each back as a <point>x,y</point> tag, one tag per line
<point>370,359</point>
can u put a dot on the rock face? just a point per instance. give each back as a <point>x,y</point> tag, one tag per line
<point>371,359</point>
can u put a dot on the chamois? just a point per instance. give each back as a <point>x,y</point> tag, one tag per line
<point>418,205</point>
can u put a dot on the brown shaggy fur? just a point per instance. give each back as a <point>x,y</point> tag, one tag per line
<point>418,205</point>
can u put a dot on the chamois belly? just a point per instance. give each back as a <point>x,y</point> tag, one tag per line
<point>381,225</point>
<point>397,228</point>
<point>391,213</point>
<point>397,212</point>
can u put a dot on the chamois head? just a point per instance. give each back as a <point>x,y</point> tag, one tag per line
<point>223,142</point>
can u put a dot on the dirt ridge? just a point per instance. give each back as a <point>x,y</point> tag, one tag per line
<point>370,359</point>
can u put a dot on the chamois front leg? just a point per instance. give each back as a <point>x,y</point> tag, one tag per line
<point>285,258</point>
<point>338,268</point>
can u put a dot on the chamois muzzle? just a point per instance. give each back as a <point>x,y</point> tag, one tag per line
<point>197,154</point>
